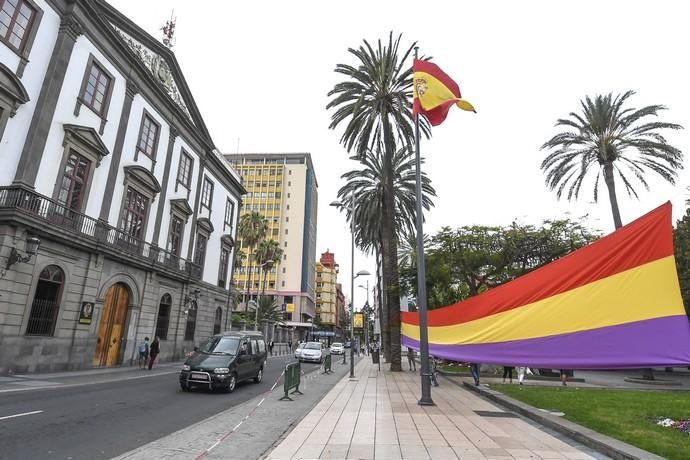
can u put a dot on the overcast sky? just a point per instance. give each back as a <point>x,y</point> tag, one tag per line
<point>260,71</point>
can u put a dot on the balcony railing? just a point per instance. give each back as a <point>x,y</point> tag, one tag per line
<point>58,215</point>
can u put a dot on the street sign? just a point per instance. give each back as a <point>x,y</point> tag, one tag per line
<point>283,307</point>
<point>324,334</point>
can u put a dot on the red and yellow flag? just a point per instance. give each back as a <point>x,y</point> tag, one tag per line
<point>435,92</point>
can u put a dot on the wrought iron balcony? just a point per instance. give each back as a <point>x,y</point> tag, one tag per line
<point>56,214</point>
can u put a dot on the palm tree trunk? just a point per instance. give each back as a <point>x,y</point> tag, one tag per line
<point>608,178</point>
<point>384,319</point>
<point>648,372</point>
<point>249,285</point>
<point>390,258</point>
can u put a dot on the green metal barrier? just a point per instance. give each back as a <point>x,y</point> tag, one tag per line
<point>327,364</point>
<point>293,372</point>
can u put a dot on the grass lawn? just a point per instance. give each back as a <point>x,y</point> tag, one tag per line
<point>453,368</point>
<point>622,414</point>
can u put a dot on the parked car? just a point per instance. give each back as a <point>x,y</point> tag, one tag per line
<point>312,352</point>
<point>298,350</point>
<point>337,348</point>
<point>225,360</point>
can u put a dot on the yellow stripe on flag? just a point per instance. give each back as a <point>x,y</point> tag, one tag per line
<point>644,292</point>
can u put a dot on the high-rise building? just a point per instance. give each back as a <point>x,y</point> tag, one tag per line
<point>282,187</point>
<point>326,295</point>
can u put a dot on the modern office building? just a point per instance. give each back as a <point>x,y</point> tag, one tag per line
<point>117,213</point>
<point>326,292</point>
<point>283,188</point>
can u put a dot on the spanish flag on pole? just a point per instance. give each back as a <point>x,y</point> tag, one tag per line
<point>435,92</point>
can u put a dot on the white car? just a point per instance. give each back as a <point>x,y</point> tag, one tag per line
<point>298,350</point>
<point>337,348</point>
<point>312,352</point>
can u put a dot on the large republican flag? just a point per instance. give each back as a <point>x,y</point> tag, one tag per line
<point>615,303</point>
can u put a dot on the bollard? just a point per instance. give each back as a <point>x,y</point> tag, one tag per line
<point>376,358</point>
<point>293,372</point>
<point>327,365</point>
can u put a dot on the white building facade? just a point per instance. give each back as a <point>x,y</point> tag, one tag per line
<point>107,162</point>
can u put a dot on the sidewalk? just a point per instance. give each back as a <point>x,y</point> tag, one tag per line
<point>376,416</point>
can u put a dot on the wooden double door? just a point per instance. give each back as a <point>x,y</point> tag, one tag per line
<point>111,328</point>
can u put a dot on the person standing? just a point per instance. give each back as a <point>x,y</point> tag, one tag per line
<point>143,353</point>
<point>508,372</point>
<point>564,376</point>
<point>154,350</point>
<point>270,347</point>
<point>411,360</point>
<point>521,373</point>
<point>474,368</point>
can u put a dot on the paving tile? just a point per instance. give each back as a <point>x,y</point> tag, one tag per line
<point>309,451</point>
<point>410,452</point>
<point>387,452</point>
<point>442,453</point>
<point>361,452</point>
<point>335,451</point>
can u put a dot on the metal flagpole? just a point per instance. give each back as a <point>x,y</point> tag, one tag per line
<point>425,400</point>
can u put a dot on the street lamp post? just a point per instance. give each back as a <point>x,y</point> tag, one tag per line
<point>340,205</point>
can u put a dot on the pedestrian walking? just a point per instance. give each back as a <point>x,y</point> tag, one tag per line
<point>143,352</point>
<point>154,350</point>
<point>270,347</point>
<point>521,373</point>
<point>564,376</point>
<point>474,368</point>
<point>508,372</point>
<point>411,360</point>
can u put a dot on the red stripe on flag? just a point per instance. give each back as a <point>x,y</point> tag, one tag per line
<point>434,70</point>
<point>644,240</point>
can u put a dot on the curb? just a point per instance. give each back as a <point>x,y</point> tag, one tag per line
<point>606,445</point>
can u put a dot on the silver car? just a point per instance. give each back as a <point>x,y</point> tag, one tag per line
<point>312,352</point>
<point>337,348</point>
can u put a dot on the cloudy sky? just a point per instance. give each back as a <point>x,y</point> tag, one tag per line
<point>260,71</point>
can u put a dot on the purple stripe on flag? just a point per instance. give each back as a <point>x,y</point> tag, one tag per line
<point>654,342</point>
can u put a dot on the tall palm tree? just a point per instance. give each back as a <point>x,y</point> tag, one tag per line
<point>368,185</point>
<point>252,229</point>
<point>374,104</point>
<point>612,140</point>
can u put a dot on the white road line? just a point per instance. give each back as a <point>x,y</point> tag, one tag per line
<point>72,385</point>
<point>21,415</point>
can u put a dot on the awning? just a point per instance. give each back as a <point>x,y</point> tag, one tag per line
<point>295,324</point>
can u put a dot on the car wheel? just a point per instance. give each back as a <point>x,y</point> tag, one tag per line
<point>259,375</point>
<point>184,386</point>
<point>232,383</point>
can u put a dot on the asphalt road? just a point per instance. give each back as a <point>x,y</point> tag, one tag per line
<point>105,419</point>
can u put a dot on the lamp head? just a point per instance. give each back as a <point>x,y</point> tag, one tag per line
<point>336,204</point>
<point>32,245</point>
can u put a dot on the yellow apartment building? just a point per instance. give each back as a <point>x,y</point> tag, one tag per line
<point>283,188</point>
<point>326,292</point>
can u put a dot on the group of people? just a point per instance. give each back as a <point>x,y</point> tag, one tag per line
<point>521,371</point>
<point>149,352</point>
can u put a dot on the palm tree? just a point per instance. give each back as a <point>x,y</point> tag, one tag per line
<point>613,141</point>
<point>374,104</point>
<point>368,185</point>
<point>252,229</point>
<point>268,253</point>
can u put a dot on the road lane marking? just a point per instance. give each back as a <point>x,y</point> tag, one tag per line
<point>21,415</point>
<point>72,385</point>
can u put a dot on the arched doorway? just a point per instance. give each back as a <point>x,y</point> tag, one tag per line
<point>112,325</point>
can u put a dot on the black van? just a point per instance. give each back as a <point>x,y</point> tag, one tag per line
<point>224,360</point>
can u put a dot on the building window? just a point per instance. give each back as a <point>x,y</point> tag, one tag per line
<point>200,253</point>
<point>229,213</point>
<point>135,210</point>
<point>16,19</point>
<point>285,244</point>
<point>282,283</point>
<point>283,269</point>
<point>46,303</point>
<point>223,268</point>
<point>163,319</point>
<point>184,171</point>
<point>286,231</point>
<point>96,88</point>
<point>207,194</point>
<point>74,181</point>
<point>148,137</point>
<point>217,321</point>
<point>175,235</point>
<point>191,322</point>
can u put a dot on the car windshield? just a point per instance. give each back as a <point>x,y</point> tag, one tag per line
<point>221,345</point>
<point>337,344</point>
<point>313,346</point>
